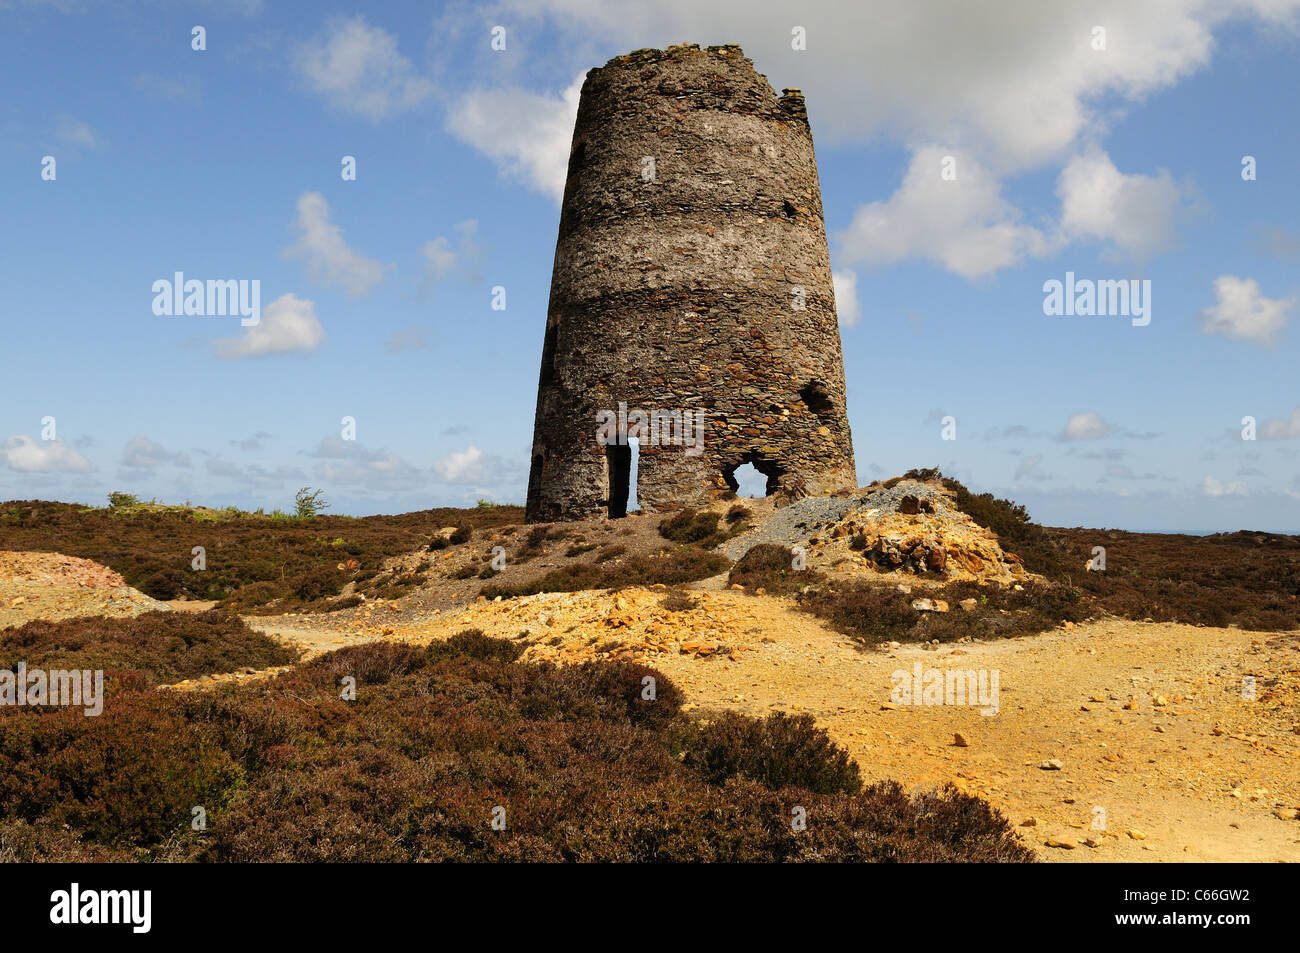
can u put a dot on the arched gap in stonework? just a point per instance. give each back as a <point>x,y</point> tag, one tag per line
<point>756,472</point>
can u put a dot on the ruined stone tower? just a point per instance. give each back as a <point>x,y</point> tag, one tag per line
<point>692,281</point>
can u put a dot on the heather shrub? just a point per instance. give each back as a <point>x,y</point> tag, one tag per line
<point>255,563</point>
<point>779,751</point>
<point>771,567</point>
<point>668,568</point>
<point>587,764</point>
<point>159,647</point>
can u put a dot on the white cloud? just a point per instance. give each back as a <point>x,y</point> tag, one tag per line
<point>963,224</point>
<point>1241,312</point>
<point>526,134</point>
<point>324,252</point>
<point>1281,428</point>
<point>846,296</point>
<point>1088,426</point>
<point>27,455</point>
<point>288,324</point>
<point>143,453</point>
<point>1134,214</point>
<point>462,466</point>
<point>1212,487</point>
<point>358,70</point>
<point>1016,83</point>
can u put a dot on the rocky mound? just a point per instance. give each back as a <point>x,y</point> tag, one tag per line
<point>53,586</point>
<point>910,527</point>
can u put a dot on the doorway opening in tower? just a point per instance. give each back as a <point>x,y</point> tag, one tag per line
<point>753,476</point>
<point>621,463</point>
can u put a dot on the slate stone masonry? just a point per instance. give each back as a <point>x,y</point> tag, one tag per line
<point>691,273</point>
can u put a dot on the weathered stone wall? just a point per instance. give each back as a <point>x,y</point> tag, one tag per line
<point>680,292</point>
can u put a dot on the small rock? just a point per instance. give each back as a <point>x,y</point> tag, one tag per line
<point>1029,822</point>
<point>1136,834</point>
<point>959,740</point>
<point>1287,813</point>
<point>1065,841</point>
<point>1051,764</point>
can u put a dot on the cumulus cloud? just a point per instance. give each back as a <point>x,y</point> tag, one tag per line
<point>526,134</point>
<point>1280,428</point>
<point>1212,487</point>
<point>1132,214</point>
<point>1017,81</point>
<point>27,455</point>
<point>358,70</point>
<point>1087,426</point>
<point>846,296</point>
<point>461,466</point>
<point>1018,84</point>
<point>327,256</point>
<point>1241,312</point>
<point>963,224</point>
<point>144,454</point>
<point>288,324</point>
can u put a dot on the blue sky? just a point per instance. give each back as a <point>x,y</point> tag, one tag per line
<point>1114,156</point>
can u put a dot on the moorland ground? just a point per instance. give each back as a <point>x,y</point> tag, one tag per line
<point>1131,679</point>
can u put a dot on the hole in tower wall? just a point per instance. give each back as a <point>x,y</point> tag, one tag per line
<point>753,478</point>
<point>548,354</point>
<point>749,482</point>
<point>817,398</point>
<point>576,158</point>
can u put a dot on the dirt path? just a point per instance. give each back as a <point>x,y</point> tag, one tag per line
<point>1158,769</point>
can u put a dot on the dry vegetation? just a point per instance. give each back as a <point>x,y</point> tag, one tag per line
<point>585,767</point>
<point>254,562</point>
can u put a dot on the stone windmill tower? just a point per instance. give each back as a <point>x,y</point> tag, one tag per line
<point>692,285</point>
